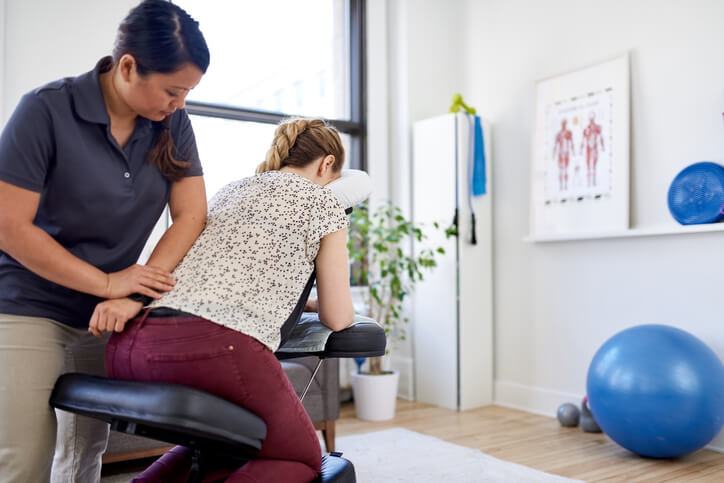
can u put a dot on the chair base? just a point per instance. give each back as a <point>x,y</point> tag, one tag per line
<point>336,469</point>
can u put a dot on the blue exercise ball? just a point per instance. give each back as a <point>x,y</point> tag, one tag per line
<point>697,194</point>
<point>657,391</point>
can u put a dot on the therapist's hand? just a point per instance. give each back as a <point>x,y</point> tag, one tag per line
<point>141,279</point>
<point>112,315</point>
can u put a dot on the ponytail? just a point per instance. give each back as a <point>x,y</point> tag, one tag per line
<point>163,154</point>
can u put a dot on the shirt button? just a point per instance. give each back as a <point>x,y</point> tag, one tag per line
<point>126,175</point>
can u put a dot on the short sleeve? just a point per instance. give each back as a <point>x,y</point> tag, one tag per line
<point>327,217</point>
<point>27,144</point>
<point>185,141</point>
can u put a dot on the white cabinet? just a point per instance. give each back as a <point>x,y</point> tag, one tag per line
<point>452,313</point>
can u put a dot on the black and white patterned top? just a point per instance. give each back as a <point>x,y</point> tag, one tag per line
<point>249,266</point>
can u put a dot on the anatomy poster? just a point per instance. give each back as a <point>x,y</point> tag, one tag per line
<point>580,166</point>
<point>578,141</point>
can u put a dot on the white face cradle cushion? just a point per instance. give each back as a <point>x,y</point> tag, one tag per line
<point>352,188</point>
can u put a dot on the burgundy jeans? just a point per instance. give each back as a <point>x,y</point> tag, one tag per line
<point>196,352</point>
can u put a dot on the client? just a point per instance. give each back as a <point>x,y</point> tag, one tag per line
<point>217,330</point>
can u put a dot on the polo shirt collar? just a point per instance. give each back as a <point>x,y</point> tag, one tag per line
<point>88,96</point>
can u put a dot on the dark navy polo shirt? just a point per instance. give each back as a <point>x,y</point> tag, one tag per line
<point>97,200</point>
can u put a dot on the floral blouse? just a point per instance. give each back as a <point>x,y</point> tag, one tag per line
<point>249,266</point>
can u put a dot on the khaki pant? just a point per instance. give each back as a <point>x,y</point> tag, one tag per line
<point>34,351</point>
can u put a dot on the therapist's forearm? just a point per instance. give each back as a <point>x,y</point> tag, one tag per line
<point>176,242</point>
<point>41,254</point>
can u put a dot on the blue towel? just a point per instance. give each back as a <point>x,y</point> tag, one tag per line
<point>478,177</point>
<point>476,169</point>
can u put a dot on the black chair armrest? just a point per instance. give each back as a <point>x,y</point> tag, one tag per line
<point>364,339</point>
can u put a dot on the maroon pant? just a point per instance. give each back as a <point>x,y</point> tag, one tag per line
<point>199,353</point>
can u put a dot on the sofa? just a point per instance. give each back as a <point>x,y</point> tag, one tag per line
<point>321,403</point>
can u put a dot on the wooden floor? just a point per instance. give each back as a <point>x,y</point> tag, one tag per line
<point>541,443</point>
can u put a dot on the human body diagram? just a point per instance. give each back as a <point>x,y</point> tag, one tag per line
<point>591,139</point>
<point>566,157</point>
<point>562,151</point>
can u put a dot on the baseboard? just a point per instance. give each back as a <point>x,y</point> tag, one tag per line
<point>545,402</point>
<point>532,399</point>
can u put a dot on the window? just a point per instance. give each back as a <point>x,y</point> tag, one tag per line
<point>232,149</point>
<point>269,60</point>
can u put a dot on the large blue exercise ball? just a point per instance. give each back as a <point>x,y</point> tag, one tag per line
<point>657,391</point>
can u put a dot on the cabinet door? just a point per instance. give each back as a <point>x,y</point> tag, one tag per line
<point>475,279</point>
<point>435,302</point>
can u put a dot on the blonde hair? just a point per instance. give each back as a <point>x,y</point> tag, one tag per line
<point>299,141</point>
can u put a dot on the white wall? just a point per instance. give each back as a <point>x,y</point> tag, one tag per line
<point>2,61</point>
<point>556,303</point>
<point>377,98</point>
<point>414,68</point>
<point>426,68</point>
<point>48,39</point>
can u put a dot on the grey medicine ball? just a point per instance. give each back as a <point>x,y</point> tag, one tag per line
<point>568,415</point>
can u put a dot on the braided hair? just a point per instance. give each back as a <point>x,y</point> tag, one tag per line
<point>299,141</point>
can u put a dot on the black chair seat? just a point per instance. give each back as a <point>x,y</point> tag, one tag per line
<point>169,412</point>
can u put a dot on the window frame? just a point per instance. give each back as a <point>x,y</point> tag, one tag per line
<point>355,127</point>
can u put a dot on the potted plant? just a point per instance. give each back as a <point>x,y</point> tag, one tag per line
<point>379,250</point>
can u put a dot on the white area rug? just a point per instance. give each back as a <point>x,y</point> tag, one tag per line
<point>400,455</point>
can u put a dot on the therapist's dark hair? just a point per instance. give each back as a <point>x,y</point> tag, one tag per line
<point>162,37</point>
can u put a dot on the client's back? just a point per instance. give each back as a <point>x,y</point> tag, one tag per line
<point>251,263</point>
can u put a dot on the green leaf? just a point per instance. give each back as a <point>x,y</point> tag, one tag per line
<point>377,242</point>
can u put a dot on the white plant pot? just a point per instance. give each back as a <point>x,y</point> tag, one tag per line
<point>375,395</point>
